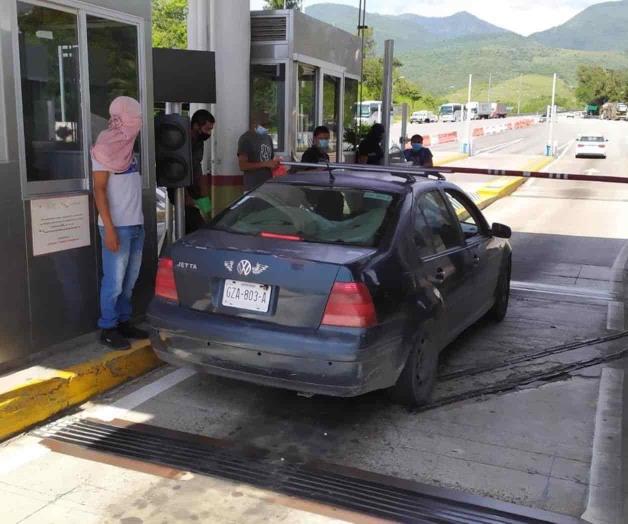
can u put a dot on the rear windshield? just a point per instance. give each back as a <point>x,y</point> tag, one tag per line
<point>311,213</point>
<point>592,139</point>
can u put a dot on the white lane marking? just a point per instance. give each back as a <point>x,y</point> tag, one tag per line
<point>565,147</point>
<point>566,291</point>
<point>119,408</point>
<point>497,147</point>
<point>19,453</point>
<point>605,502</point>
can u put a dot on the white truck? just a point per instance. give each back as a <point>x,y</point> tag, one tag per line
<point>450,112</point>
<point>498,110</point>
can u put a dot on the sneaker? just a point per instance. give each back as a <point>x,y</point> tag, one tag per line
<point>114,340</point>
<point>127,330</point>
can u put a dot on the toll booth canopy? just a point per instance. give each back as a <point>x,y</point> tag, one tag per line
<point>304,73</point>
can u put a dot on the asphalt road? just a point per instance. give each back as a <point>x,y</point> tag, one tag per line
<point>532,446</point>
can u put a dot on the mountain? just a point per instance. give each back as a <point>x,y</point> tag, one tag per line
<point>600,27</point>
<point>409,31</point>
<point>444,68</point>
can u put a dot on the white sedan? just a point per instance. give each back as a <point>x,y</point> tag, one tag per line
<point>591,146</point>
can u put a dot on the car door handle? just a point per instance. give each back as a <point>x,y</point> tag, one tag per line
<point>440,274</point>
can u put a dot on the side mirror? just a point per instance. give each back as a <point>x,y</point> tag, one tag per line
<point>501,231</point>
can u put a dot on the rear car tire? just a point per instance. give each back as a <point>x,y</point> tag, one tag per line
<point>416,381</point>
<point>502,295</point>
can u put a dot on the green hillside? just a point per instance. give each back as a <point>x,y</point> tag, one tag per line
<point>599,27</point>
<point>536,93</point>
<point>446,68</point>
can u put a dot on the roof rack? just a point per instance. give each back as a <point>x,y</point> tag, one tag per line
<point>407,173</point>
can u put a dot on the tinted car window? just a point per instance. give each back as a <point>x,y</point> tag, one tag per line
<point>440,222</point>
<point>311,213</point>
<point>422,235</point>
<point>467,216</point>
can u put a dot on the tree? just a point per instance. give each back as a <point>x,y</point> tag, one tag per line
<point>170,23</point>
<point>597,85</point>
<point>279,4</point>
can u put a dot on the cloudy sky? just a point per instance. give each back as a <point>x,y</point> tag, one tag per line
<point>520,16</point>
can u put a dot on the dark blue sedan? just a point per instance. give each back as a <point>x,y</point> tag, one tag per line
<point>332,284</point>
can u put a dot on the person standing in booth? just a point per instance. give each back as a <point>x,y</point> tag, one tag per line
<point>118,196</point>
<point>256,154</point>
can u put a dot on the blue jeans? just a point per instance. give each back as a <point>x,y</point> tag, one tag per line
<point>120,272</point>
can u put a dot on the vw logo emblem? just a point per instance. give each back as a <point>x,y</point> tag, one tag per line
<point>244,268</point>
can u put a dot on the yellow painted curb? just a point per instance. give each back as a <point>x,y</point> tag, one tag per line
<point>504,186</point>
<point>450,159</point>
<point>37,400</point>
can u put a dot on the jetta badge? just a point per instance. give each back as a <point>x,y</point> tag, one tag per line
<point>229,265</point>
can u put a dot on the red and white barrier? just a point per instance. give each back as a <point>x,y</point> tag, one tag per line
<point>448,138</point>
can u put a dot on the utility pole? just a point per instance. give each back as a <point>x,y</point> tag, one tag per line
<point>389,47</point>
<point>519,103</point>
<point>490,84</point>
<point>466,147</point>
<point>549,148</point>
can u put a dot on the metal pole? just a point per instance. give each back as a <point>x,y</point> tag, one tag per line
<point>519,102</point>
<point>61,82</point>
<point>490,84</point>
<point>549,149</point>
<point>404,127</point>
<point>466,148</point>
<point>179,199</point>
<point>389,46</point>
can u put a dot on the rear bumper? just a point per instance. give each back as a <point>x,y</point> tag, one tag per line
<point>331,361</point>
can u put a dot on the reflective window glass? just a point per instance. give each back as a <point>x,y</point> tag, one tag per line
<point>306,111</point>
<point>331,112</point>
<point>350,114</point>
<point>268,87</point>
<point>440,222</point>
<point>51,101</point>
<point>113,67</point>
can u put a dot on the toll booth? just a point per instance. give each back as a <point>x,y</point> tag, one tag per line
<point>305,73</point>
<point>62,63</point>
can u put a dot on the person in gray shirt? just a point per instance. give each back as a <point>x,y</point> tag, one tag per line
<point>256,154</point>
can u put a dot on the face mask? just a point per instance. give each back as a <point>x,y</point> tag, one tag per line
<point>417,147</point>
<point>323,144</point>
<point>261,130</point>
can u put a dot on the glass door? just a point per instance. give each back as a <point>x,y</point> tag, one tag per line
<point>331,114</point>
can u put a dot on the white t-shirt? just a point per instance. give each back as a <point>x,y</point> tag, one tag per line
<point>124,193</point>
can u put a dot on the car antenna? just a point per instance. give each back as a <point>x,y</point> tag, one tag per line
<point>332,177</point>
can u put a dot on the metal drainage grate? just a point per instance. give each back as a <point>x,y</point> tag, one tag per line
<point>307,481</point>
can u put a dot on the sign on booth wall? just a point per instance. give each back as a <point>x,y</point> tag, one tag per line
<point>59,224</point>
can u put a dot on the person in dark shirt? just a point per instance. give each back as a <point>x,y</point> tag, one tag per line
<point>370,150</point>
<point>317,152</point>
<point>256,153</point>
<point>201,127</point>
<point>418,154</point>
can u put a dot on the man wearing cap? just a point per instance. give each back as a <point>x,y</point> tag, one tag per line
<point>256,154</point>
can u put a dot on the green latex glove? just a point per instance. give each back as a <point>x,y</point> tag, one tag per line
<point>204,205</point>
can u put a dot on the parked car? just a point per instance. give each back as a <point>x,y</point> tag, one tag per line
<point>423,117</point>
<point>332,284</point>
<point>591,146</point>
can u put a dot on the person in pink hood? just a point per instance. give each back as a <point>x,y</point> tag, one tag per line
<point>118,195</point>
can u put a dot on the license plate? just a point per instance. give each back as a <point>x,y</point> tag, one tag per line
<point>246,295</point>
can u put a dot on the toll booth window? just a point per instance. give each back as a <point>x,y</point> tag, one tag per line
<point>113,67</point>
<point>51,98</point>
<point>306,108</point>
<point>331,112</point>
<point>268,94</point>
<point>350,114</point>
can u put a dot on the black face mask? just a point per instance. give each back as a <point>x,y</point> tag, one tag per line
<point>203,136</point>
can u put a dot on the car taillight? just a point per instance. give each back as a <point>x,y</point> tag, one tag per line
<point>350,305</point>
<point>580,145</point>
<point>601,145</point>
<point>165,286</point>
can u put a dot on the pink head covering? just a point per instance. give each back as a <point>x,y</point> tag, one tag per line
<point>114,146</point>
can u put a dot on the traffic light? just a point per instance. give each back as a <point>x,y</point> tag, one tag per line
<point>173,150</point>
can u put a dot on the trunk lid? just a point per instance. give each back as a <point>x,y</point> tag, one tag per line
<point>276,281</point>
